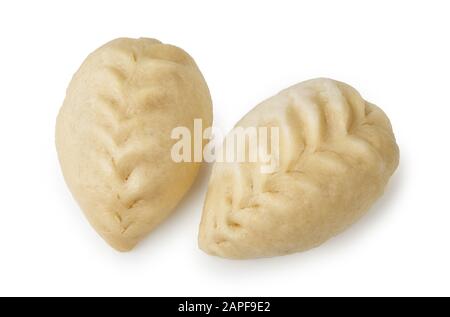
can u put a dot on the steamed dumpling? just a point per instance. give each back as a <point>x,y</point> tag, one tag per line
<point>113,135</point>
<point>337,153</point>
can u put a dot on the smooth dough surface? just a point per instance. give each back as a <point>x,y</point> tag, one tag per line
<point>113,135</point>
<point>337,153</point>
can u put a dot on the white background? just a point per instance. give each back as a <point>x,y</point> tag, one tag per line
<point>396,53</point>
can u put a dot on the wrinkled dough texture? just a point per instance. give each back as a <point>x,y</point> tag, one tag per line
<point>113,135</point>
<point>337,153</point>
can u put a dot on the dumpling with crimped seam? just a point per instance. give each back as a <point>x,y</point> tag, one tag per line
<point>336,155</point>
<point>113,135</point>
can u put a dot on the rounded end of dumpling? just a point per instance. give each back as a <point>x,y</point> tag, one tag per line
<point>119,243</point>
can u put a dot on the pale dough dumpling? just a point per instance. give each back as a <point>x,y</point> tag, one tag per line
<point>337,153</point>
<point>113,135</point>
